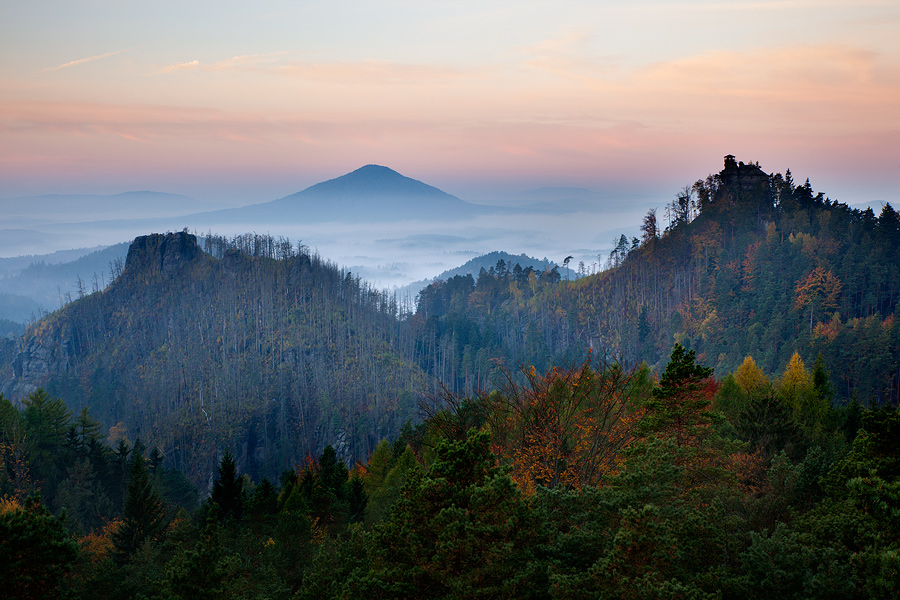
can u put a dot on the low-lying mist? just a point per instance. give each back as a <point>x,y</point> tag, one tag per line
<point>389,255</point>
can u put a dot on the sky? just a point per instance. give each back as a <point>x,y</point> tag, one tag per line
<point>242,102</point>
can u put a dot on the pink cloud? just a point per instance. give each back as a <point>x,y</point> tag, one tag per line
<point>577,120</point>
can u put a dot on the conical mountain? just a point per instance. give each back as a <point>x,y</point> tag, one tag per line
<point>374,180</point>
<point>370,193</point>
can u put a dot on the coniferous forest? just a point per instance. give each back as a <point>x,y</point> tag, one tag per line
<point>713,415</point>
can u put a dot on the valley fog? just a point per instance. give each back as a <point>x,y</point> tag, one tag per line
<point>386,254</point>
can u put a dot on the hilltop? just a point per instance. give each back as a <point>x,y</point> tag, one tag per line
<point>250,343</point>
<point>750,264</point>
<point>486,262</point>
<point>370,193</point>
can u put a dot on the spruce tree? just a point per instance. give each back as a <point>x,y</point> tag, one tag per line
<point>228,490</point>
<point>679,406</point>
<point>199,574</point>
<point>143,514</point>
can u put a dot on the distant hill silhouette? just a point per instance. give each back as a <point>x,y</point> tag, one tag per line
<point>370,193</point>
<point>485,261</point>
<point>49,280</point>
<point>490,260</point>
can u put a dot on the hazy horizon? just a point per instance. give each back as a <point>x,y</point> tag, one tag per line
<point>233,104</point>
<point>394,254</point>
<point>243,103</point>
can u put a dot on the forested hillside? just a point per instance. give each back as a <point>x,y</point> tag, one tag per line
<point>748,264</point>
<point>713,416</point>
<point>594,482</point>
<point>255,343</point>
<point>260,345</point>
<point>251,342</point>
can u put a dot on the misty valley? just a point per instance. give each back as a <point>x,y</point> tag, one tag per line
<point>395,393</point>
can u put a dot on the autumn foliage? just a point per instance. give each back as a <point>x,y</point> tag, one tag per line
<point>564,428</point>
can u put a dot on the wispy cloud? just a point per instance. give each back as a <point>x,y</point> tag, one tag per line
<point>248,60</point>
<point>243,62</point>
<point>369,71</point>
<point>360,71</point>
<point>177,67</point>
<point>81,61</point>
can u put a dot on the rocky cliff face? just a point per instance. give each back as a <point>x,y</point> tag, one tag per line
<point>161,253</point>
<point>742,182</point>
<point>37,359</point>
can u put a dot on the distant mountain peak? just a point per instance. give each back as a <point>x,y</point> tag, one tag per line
<point>372,167</point>
<point>372,180</point>
<point>371,193</point>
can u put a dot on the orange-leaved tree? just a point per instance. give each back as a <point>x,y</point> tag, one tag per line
<point>565,428</point>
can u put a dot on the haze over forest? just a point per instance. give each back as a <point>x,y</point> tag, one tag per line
<point>389,228</point>
<point>389,299</point>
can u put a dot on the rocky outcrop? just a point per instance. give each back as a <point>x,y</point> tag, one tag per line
<point>163,254</point>
<point>743,182</point>
<point>50,351</point>
<point>38,360</point>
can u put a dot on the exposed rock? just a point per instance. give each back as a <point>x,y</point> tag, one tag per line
<point>742,182</point>
<point>161,253</point>
<point>36,362</point>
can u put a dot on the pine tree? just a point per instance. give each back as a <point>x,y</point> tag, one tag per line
<point>228,490</point>
<point>678,408</point>
<point>679,415</point>
<point>143,514</point>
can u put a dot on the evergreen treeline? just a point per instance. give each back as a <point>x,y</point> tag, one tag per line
<point>593,482</point>
<point>74,465</point>
<point>748,264</point>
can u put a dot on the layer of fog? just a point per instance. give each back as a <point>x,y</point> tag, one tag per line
<point>389,255</point>
<point>386,254</point>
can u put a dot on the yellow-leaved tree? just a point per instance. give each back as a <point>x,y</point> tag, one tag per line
<point>796,388</point>
<point>750,377</point>
<point>795,380</point>
<point>819,288</point>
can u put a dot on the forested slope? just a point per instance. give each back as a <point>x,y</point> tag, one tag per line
<point>749,264</point>
<point>253,343</point>
<point>259,345</point>
<point>609,479</point>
